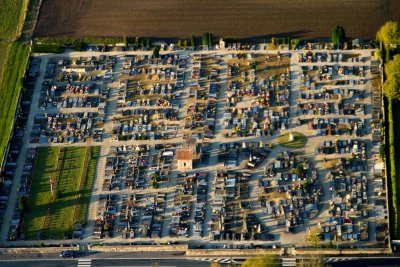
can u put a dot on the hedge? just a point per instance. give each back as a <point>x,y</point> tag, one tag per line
<point>46,48</point>
<point>394,148</point>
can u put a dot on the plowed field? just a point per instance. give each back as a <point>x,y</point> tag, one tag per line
<point>241,18</point>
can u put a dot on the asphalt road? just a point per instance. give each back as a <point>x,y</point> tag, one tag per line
<point>102,262</point>
<point>118,259</point>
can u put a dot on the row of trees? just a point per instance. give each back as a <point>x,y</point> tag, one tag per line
<point>389,38</point>
<point>139,42</point>
<point>207,39</point>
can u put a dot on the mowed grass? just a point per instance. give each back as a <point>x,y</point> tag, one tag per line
<point>72,171</point>
<point>299,140</point>
<point>10,88</point>
<point>87,190</point>
<point>46,166</point>
<point>11,18</point>
<point>3,53</point>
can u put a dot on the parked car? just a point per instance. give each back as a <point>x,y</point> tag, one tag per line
<point>68,254</point>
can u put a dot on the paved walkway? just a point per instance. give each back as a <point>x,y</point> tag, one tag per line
<point>21,158</point>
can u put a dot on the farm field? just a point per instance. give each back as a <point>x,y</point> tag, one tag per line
<point>68,178</point>
<point>11,14</point>
<point>10,87</point>
<point>181,19</point>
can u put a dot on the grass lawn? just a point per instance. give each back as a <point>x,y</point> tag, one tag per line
<point>40,194</point>
<point>87,190</point>
<point>3,52</point>
<point>11,18</point>
<point>10,88</point>
<point>72,171</point>
<point>299,140</point>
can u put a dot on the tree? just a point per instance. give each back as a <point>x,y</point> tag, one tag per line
<point>185,43</point>
<point>378,54</point>
<point>299,169</point>
<point>148,42</point>
<point>262,261</point>
<point>274,41</point>
<point>179,43</point>
<point>192,41</point>
<point>210,40</point>
<point>294,43</point>
<point>156,52</point>
<point>313,237</point>
<point>391,87</point>
<point>79,45</point>
<point>125,40</point>
<point>156,185</point>
<point>137,41</point>
<point>338,35</point>
<point>389,33</point>
<point>205,38</point>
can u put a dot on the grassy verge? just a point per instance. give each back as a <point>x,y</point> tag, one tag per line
<point>3,53</point>
<point>72,40</point>
<point>91,171</point>
<point>10,88</point>
<point>62,218</point>
<point>40,194</point>
<point>394,156</point>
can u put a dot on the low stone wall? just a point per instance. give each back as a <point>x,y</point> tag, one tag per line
<point>233,252</point>
<point>120,248</point>
<point>42,250</point>
<point>140,248</point>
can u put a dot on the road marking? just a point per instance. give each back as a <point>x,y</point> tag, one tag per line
<point>84,262</point>
<point>222,260</point>
<point>289,262</point>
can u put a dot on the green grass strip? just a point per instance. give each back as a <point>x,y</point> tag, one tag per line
<point>10,88</point>
<point>46,166</point>
<point>394,152</point>
<point>91,172</point>
<point>62,218</point>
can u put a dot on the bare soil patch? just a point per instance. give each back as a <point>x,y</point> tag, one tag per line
<point>241,18</point>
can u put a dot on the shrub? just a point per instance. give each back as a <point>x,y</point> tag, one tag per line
<point>338,35</point>
<point>156,52</point>
<point>125,40</point>
<point>79,45</point>
<point>205,38</point>
<point>192,41</point>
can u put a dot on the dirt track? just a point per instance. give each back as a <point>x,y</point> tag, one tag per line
<point>241,18</point>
